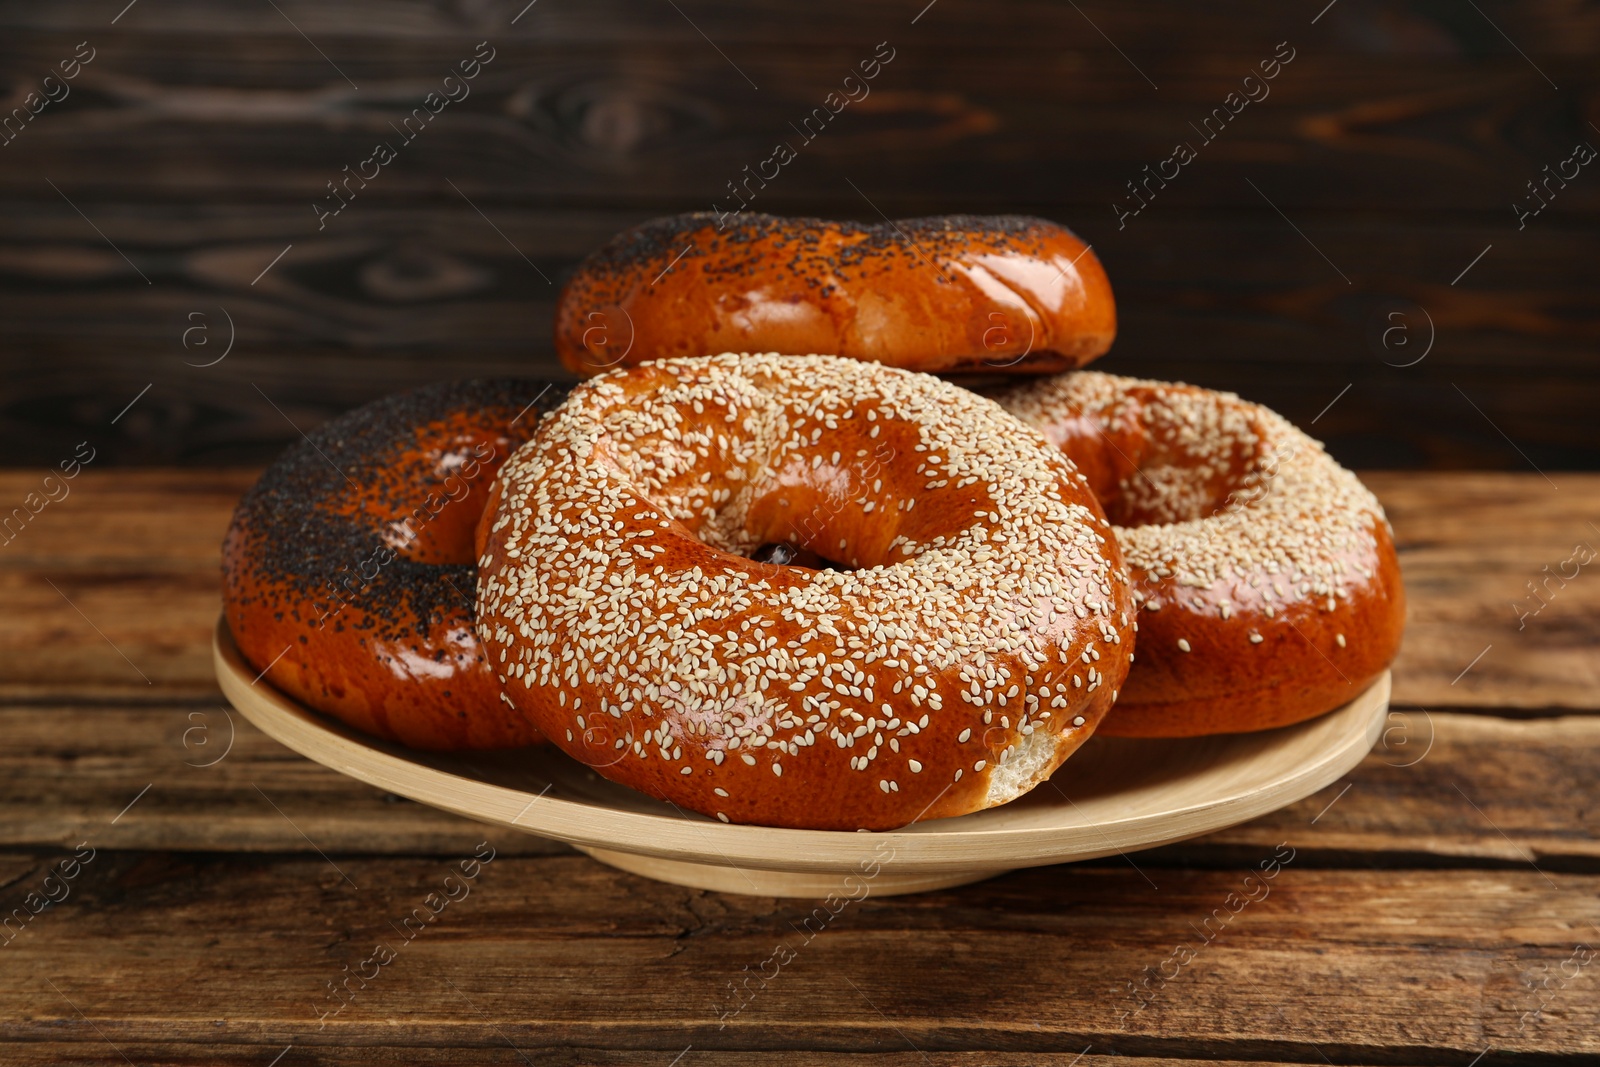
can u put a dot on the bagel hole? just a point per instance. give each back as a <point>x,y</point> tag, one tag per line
<point>844,499</point>
<point>1176,458</point>
<point>834,491</point>
<point>792,554</point>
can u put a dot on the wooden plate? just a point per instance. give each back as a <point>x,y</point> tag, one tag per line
<point>1115,795</point>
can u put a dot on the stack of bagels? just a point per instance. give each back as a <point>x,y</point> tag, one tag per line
<point>825,591</point>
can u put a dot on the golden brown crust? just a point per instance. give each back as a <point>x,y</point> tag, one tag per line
<point>348,568</point>
<point>998,294</point>
<point>1266,574</point>
<point>982,636</point>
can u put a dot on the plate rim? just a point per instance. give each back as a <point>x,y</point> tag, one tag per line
<point>926,847</point>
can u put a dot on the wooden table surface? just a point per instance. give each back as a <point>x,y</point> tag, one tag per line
<point>1442,901</point>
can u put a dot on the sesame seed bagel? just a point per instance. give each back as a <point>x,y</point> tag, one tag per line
<point>1265,573</point>
<point>997,294</point>
<point>347,572</point>
<point>972,630</point>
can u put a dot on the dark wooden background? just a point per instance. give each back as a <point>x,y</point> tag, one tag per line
<point>202,132</point>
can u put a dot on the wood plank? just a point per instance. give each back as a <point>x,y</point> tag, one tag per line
<point>78,768</point>
<point>108,591</point>
<point>669,123</point>
<point>1442,789</point>
<point>1360,26</point>
<point>1469,547</point>
<point>632,108</point>
<point>406,296</point>
<point>488,1048</point>
<point>438,277</point>
<point>1402,967</point>
<point>1420,419</point>
<point>67,771</point>
<point>136,553</point>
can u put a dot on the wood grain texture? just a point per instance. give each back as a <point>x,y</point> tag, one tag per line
<point>586,123</point>
<point>493,1050</point>
<point>1395,142</point>
<point>1163,26</point>
<point>1470,545</point>
<point>1431,903</point>
<point>133,558</point>
<point>1542,26</point>
<point>107,586</point>
<point>402,296</point>
<point>1409,967</point>
<point>67,771</point>
<point>487,1048</point>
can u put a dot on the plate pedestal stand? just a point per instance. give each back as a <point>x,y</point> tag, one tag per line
<point>768,883</point>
